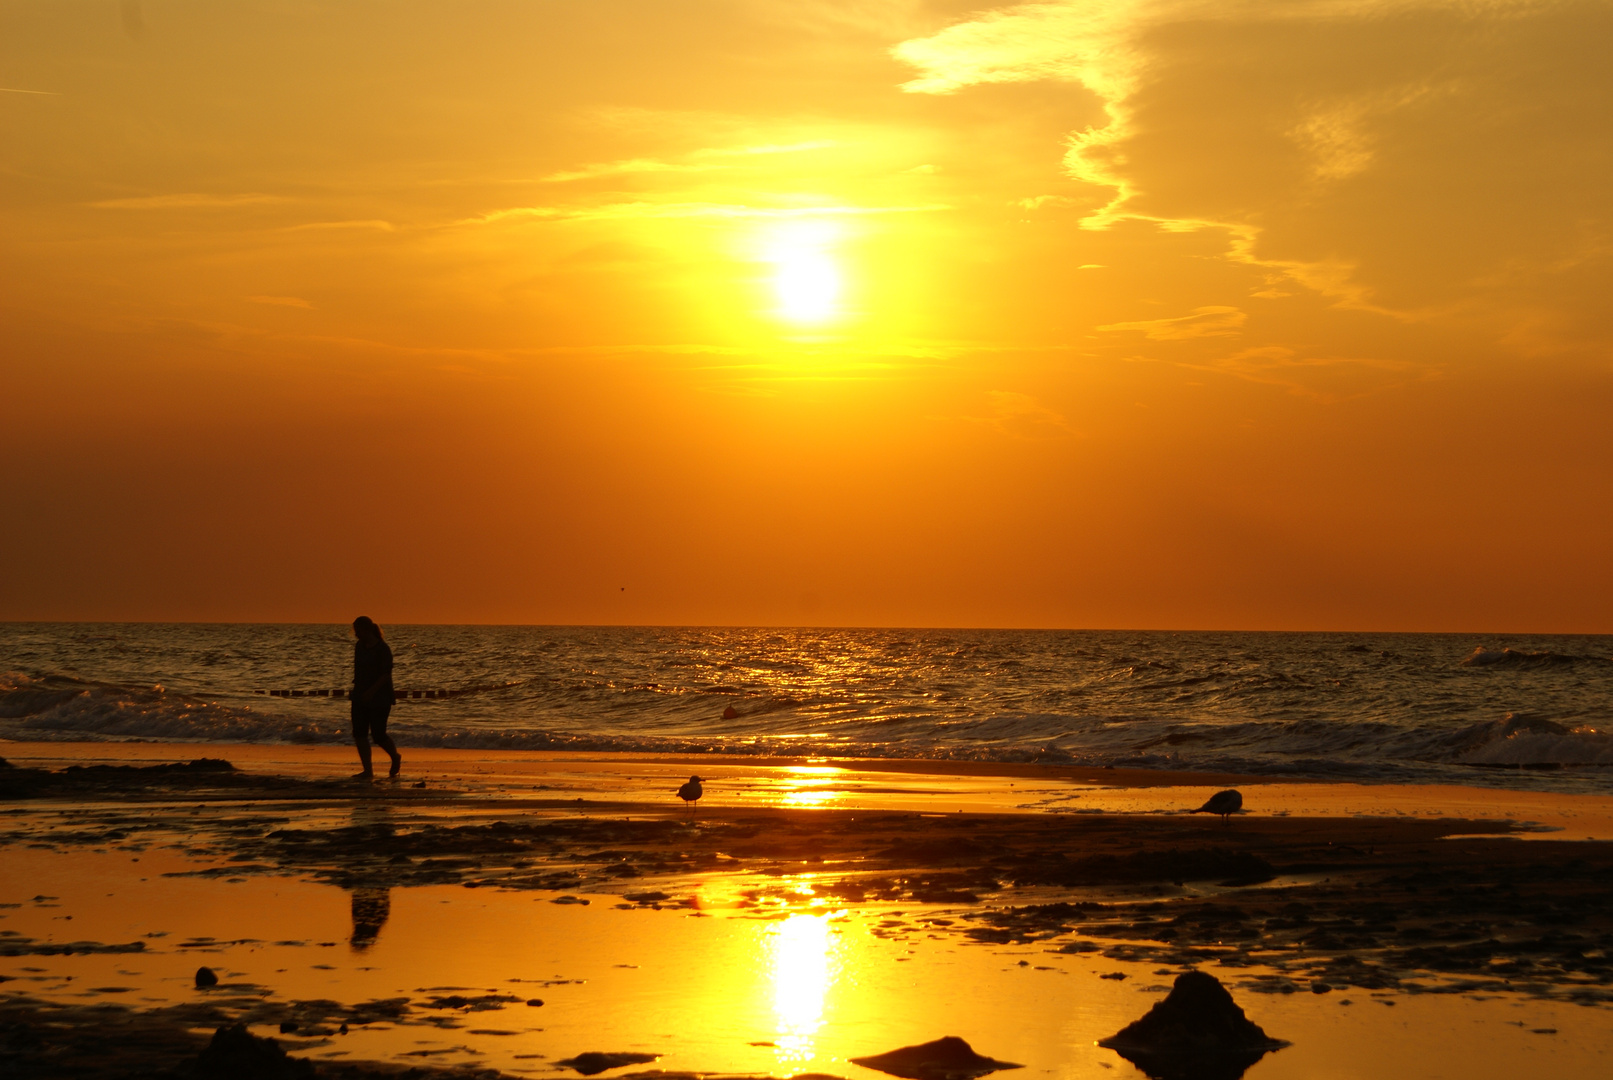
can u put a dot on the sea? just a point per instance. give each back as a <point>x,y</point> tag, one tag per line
<point>1516,711</point>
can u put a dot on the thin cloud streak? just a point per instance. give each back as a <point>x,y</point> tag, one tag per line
<point>629,166</point>
<point>367,223</point>
<point>645,210</point>
<point>188,201</point>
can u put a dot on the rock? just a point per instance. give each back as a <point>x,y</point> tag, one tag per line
<point>237,1054</point>
<point>480,1003</point>
<point>596,1062</point>
<point>730,713</point>
<point>1320,987</point>
<point>949,1058</point>
<point>1196,1033</point>
<point>204,764</point>
<point>205,978</point>
<point>534,1002</point>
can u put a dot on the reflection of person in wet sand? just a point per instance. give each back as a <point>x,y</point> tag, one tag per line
<point>372,695</point>
<point>370,910</point>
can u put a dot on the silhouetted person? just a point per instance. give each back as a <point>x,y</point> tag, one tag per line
<point>371,907</point>
<point>372,695</point>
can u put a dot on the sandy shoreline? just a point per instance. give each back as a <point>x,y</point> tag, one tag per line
<point>1403,892</point>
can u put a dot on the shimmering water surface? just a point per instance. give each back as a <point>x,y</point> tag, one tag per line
<point>1457,708</point>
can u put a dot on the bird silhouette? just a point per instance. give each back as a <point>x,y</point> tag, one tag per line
<point>1224,803</point>
<point>691,791</point>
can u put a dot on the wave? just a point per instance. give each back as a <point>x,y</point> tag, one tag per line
<point>1520,658</point>
<point>1401,744</point>
<point>1524,740</point>
<point>62,708</point>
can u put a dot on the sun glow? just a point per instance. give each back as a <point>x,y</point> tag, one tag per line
<point>806,275</point>
<point>803,968</point>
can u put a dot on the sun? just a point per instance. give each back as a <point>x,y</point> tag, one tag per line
<point>806,276</point>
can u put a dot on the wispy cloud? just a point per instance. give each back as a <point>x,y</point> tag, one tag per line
<point>625,168</point>
<point>1114,47</point>
<point>696,161</point>
<point>367,223</point>
<point>632,210</point>
<point>1204,322</point>
<point>41,93</point>
<point>1021,416</point>
<point>1320,378</point>
<point>188,201</point>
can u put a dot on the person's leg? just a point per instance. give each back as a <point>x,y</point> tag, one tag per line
<point>361,738</point>
<point>383,740</point>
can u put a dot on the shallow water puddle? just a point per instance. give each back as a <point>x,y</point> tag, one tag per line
<point>722,991</point>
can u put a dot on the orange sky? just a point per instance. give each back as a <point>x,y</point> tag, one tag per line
<point>1133,313</point>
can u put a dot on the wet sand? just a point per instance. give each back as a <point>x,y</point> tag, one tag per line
<point>1422,898</point>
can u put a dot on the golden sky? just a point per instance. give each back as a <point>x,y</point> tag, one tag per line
<point>1132,313</point>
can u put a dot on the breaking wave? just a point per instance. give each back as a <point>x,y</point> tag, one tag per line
<point>1391,707</point>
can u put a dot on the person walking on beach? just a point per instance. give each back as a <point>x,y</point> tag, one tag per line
<point>372,695</point>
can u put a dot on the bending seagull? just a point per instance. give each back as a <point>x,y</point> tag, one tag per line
<point>1223,803</point>
<point>691,791</point>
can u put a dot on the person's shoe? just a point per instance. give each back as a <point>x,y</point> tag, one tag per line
<point>397,767</point>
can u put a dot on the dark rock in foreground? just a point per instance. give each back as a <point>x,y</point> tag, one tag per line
<point>236,1054</point>
<point>1197,1033</point>
<point>595,1062</point>
<point>949,1058</point>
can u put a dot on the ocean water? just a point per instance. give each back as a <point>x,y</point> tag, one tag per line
<point>1526,710</point>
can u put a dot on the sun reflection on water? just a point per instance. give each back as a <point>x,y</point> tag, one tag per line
<point>805,963</point>
<point>804,785</point>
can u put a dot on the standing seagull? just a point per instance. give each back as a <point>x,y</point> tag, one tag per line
<point>691,791</point>
<point>1223,803</point>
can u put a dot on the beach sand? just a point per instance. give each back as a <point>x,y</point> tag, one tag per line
<point>804,913</point>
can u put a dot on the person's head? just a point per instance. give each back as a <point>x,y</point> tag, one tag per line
<point>364,629</point>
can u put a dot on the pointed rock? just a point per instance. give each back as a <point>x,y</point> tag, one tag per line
<point>1197,1033</point>
<point>236,1054</point>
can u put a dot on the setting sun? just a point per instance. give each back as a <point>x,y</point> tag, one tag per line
<point>806,276</point>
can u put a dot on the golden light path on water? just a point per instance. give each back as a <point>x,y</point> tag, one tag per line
<point>810,785</point>
<point>804,964</point>
<point>794,989</point>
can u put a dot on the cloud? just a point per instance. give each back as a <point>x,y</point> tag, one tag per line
<point>1036,202</point>
<point>41,93</point>
<point>641,210</point>
<point>1339,143</point>
<point>624,168</point>
<point>365,223</point>
<point>1323,379</point>
<point>1021,416</point>
<point>695,161</point>
<point>188,201</point>
<point>1204,322</point>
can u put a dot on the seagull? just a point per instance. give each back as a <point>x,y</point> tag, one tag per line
<point>1223,803</point>
<point>691,791</point>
